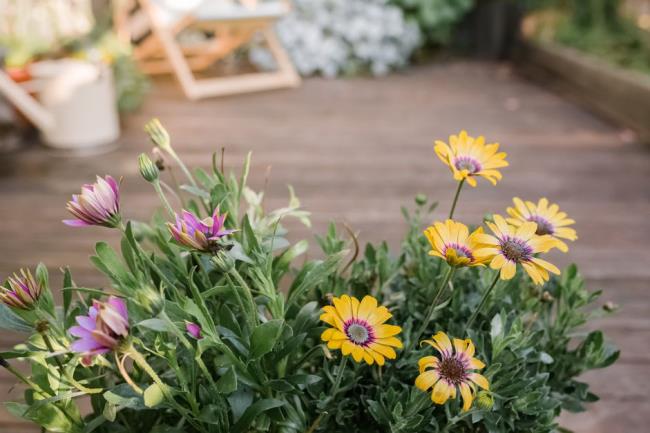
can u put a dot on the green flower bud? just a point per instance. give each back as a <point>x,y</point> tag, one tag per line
<point>420,199</point>
<point>223,261</point>
<point>484,400</point>
<point>148,169</point>
<point>547,297</point>
<point>150,300</point>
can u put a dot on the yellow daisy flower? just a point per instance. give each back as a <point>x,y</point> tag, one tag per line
<point>512,245</point>
<point>468,157</point>
<point>452,242</point>
<point>454,371</point>
<point>358,329</point>
<point>549,219</point>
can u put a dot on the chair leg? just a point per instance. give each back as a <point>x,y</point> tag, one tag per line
<point>174,53</point>
<point>285,65</point>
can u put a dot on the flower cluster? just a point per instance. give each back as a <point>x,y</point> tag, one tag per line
<point>210,328</point>
<point>333,37</point>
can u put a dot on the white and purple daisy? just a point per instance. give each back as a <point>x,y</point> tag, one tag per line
<point>102,330</point>
<point>97,205</point>
<point>197,234</point>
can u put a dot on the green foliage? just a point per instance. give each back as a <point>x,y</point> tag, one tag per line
<point>599,28</point>
<point>436,18</point>
<point>260,365</point>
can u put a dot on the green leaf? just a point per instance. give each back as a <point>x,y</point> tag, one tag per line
<point>122,395</point>
<point>253,411</point>
<point>11,322</point>
<point>110,264</point>
<point>264,337</point>
<point>227,383</point>
<point>154,324</point>
<point>153,395</point>
<point>67,294</point>
<point>317,275</point>
<point>110,411</point>
<point>49,416</point>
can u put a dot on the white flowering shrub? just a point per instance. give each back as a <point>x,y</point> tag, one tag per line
<point>334,37</point>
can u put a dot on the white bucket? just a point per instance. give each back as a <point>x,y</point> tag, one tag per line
<point>80,97</point>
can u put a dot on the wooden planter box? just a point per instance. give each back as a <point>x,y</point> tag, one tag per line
<point>620,95</point>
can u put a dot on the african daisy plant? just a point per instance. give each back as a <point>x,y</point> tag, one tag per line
<point>210,320</point>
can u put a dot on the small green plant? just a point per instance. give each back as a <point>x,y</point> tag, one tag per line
<point>213,322</point>
<point>436,18</point>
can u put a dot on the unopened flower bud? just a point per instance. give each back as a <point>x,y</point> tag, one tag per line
<point>150,299</point>
<point>194,330</point>
<point>223,262</point>
<point>148,169</point>
<point>610,306</point>
<point>158,134</point>
<point>484,400</point>
<point>22,291</point>
<point>547,297</point>
<point>420,199</point>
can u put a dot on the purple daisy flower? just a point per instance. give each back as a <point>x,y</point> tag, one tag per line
<point>21,291</point>
<point>197,234</point>
<point>102,330</point>
<point>97,205</point>
<point>193,329</point>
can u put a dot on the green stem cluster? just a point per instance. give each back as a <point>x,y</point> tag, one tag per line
<point>482,303</point>
<point>432,308</point>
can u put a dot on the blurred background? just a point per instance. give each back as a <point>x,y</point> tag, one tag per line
<point>342,99</point>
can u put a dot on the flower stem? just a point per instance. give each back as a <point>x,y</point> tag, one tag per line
<point>482,303</point>
<point>163,198</point>
<point>48,343</point>
<point>248,293</point>
<point>324,415</point>
<point>453,205</point>
<point>339,376</point>
<point>143,364</point>
<point>432,307</point>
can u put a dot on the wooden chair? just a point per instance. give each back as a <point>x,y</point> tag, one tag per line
<point>153,27</point>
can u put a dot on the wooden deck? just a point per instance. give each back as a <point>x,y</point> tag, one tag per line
<point>356,150</point>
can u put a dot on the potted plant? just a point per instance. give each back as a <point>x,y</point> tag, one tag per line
<point>212,321</point>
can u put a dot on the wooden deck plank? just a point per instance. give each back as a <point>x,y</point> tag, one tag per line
<point>356,150</point>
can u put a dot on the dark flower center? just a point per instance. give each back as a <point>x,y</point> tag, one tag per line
<point>452,370</point>
<point>467,163</point>
<point>359,332</point>
<point>544,227</point>
<point>515,249</point>
<point>461,251</point>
